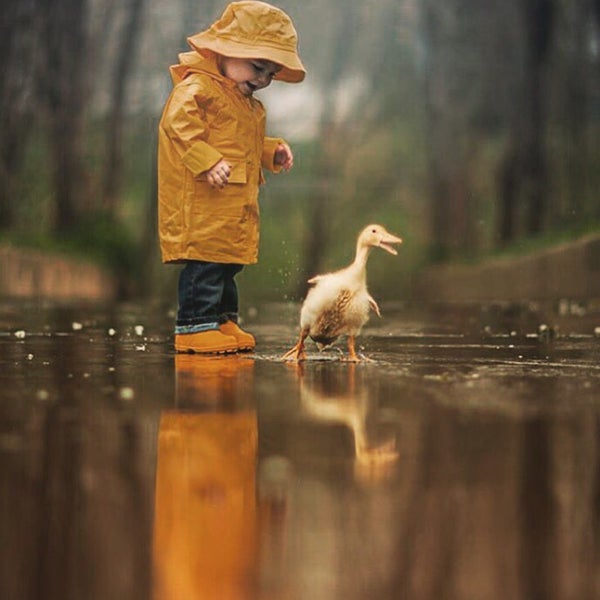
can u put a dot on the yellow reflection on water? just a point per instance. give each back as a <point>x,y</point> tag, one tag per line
<point>205,498</point>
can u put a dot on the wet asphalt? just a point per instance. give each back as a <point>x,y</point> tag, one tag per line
<point>460,459</point>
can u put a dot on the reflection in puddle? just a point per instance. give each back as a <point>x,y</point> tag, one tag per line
<point>205,501</point>
<point>342,396</point>
<point>213,383</point>
<point>226,526</point>
<point>493,493</point>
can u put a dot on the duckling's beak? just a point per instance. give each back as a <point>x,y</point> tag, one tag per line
<point>388,239</point>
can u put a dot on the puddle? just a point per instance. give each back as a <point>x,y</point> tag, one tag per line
<point>461,459</point>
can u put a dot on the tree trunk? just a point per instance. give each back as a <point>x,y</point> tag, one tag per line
<point>62,75</point>
<point>523,174</point>
<point>321,206</point>
<point>16,46</point>
<point>539,20</point>
<point>113,170</point>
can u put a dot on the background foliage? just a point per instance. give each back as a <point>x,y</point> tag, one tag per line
<point>465,127</point>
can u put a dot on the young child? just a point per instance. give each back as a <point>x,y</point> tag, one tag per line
<point>212,149</point>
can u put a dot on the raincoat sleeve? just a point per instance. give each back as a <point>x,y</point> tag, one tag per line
<point>268,155</point>
<point>185,124</point>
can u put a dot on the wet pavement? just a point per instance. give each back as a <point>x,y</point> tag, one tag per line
<point>460,461</point>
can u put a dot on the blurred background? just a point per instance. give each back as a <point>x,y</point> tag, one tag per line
<point>470,129</point>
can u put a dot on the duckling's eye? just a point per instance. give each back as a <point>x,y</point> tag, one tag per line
<point>373,230</point>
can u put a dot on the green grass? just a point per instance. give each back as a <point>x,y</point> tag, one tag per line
<point>97,239</point>
<point>548,239</point>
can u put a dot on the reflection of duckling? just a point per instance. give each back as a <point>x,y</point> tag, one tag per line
<point>350,406</point>
<point>339,302</point>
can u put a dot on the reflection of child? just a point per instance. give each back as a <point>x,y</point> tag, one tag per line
<point>212,148</point>
<point>205,517</point>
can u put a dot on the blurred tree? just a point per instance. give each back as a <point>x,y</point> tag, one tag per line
<point>62,76</point>
<point>488,110</point>
<point>451,101</point>
<point>529,184</point>
<point>573,90</point>
<point>17,34</point>
<point>113,168</point>
<point>322,205</point>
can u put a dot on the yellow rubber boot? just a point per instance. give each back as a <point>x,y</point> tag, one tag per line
<point>245,340</point>
<point>212,341</point>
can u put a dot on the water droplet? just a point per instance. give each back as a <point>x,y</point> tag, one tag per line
<point>126,393</point>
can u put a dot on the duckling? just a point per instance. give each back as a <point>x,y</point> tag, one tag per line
<point>339,302</point>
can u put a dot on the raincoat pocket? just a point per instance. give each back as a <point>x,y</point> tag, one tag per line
<point>238,172</point>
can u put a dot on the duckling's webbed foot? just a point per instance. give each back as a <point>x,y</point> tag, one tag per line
<point>297,353</point>
<point>352,356</point>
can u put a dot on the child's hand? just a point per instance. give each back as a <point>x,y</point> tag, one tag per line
<point>284,157</point>
<point>218,176</point>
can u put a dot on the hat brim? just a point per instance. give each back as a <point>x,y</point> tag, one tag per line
<point>292,70</point>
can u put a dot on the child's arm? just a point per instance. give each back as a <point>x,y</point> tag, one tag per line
<point>284,156</point>
<point>218,176</point>
<point>277,155</point>
<point>184,122</point>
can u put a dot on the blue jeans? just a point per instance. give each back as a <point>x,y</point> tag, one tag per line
<point>207,296</point>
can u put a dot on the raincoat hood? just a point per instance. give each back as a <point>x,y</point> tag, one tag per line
<point>192,62</point>
<point>250,29</point>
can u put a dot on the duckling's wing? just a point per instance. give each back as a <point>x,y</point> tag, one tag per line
<point>316,278</point>
<point>331,322</point>
<point>374,305</point>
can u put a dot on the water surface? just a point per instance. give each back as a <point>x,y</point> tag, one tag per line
<point>461,460</point>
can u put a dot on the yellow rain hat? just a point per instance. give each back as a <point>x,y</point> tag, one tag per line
<point>251,29</point>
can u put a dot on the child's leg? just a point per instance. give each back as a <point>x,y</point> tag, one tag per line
<point>229,300</point>
<point>197,325</point>
<point>230,310</point>
<point>200,293</point>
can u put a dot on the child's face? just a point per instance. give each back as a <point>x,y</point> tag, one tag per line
<point>250,74</point>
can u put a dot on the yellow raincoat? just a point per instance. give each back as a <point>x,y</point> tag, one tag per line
<point>206,119</point>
